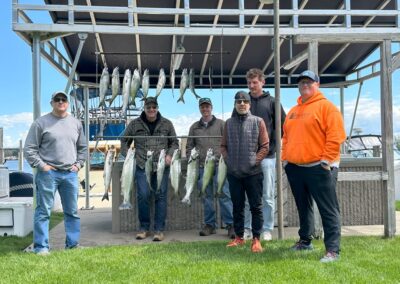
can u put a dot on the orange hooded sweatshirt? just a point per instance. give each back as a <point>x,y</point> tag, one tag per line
<point>312,132</point>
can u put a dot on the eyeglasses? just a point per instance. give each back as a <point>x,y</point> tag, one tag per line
<point>151,107</point>
<point>239,102</point>
<point>59,100</point>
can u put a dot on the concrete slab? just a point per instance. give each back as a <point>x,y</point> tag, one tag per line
<point>96,231</point>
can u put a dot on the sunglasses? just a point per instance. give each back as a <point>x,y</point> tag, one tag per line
<point>59,100</point>
<point>239,102</point>
<point>151,107</point>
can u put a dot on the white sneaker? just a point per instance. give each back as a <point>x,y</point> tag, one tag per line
<point>266,236</point>
<point>248,235</point>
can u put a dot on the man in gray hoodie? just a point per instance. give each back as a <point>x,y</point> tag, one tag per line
<point>56,146</point>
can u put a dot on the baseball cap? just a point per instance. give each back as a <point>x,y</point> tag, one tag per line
<point>59,93</point>
<point>151,100</point>
<point>242,95</point>
<point>308,74</point>
<point>205,101</point>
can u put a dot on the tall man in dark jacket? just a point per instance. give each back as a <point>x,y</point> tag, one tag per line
<point>263,105</point>
<point>151,123</point>
<point>209,125</point>
<point>244,145</point>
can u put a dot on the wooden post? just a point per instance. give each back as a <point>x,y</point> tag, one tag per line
<point>387,139</point>
<point>313,66</point>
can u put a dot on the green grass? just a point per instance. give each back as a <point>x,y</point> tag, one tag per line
<point>363,260</point>
<point>13,244</point>
<point>397,205</point>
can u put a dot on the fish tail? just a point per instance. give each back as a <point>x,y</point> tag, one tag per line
<point>180,100</point>
<point>105,196</point>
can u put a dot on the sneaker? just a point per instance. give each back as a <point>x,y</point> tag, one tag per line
<point>231,231</point>
<point>207,230</point>
<point>43,252</point>
<point>330,256</point>
<point>158,236</point>
<point>248,235</point>
<point>256,245</point>
<point>266,236</point>
<point>78,246</point>
<point>238,241</point>
<point>142,235</point>
<point>302,245</point>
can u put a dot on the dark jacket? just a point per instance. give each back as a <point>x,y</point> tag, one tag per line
<point>139,127</point>
<point>244,144</point>
<point>264,107</point>
<point>214,128</point>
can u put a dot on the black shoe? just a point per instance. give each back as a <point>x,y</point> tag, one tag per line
<point>207,230</point>
<point>231,231</point>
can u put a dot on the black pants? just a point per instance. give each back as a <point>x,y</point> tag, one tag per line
<point>252,187</point>
<point>316,183</point>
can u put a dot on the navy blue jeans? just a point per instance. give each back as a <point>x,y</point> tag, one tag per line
<point>252,187</point>
<point>144,197</point>
<point>308,183</point>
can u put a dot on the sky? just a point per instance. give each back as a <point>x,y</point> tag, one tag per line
<point>17,101</point>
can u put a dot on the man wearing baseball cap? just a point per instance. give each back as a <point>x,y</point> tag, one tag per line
<point>56,146</point>
<point>313,132</point>
<point>209,125</point>
<point>244,145</point>
<point>151,123</point>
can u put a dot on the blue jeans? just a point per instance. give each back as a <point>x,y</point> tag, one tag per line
<point>225,202</point>
<point>144,197</point>
<point>268,198</point>
<point>47,183</point>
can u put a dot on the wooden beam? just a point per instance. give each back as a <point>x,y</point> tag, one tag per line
<point>363,176</point>
<point>387,139</point>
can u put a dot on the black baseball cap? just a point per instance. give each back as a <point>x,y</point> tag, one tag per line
<point>242,95</point>
<point>58,94</point>
<point>151,100</point>
<point>205,101</point>
<point>308,74</point>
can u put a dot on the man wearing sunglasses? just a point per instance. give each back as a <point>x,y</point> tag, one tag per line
<point>155,133</point>
<point>244,145</point>
<point>56,146</point>
<point>263,105</point>
<point>209,125</point>
<point>313,132</point>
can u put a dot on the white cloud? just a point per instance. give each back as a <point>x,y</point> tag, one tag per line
<point>15,127</point>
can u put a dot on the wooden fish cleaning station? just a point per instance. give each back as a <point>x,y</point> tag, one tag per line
<point>332,38</point>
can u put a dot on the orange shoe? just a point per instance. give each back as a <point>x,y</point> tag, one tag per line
<point>238,241</point>
<point>256,245</point>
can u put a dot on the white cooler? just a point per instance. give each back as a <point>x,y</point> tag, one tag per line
<point>16,216</point>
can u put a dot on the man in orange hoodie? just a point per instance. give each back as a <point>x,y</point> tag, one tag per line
<point>313,132</point>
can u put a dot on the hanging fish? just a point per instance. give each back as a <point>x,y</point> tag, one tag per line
<point>183,85</point>
<point>192,175</point>
<point>160,169</point>
<point>115,85</point>
<point>222,170</point>
<point>175,170</point>
<point>161,82</point>
<point>128,178</point>
<point>108,164</point>
<point>126,85</point>
<point>104,82</point>
<point>135,85</point>
<point>209,169</point>
<point>191,83</point>
<point>102,122</point>
<point>145,83</point>
<point>148,168</point>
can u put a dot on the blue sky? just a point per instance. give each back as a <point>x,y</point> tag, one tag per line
<point>17,103</point>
